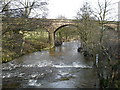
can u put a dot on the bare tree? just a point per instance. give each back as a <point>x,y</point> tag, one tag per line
<point>87,28</point>
<point>101,14</point>
<point>5,8</point>
<point>105,60</point>
<point>85,12</point>
<point>25,8</point>
<point>94,37</point>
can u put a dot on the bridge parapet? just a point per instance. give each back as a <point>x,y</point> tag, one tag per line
<point>33,23</point>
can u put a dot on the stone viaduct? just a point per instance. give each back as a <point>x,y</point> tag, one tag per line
<point>30,24</point>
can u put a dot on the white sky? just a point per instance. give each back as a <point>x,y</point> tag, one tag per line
<point>69,8</point>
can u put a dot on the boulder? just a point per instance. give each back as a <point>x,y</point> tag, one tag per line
<point>79,49</point>
<point>58,43</point>
<point>87,54</point>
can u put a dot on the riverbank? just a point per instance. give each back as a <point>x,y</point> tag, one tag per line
<point>28,47</point>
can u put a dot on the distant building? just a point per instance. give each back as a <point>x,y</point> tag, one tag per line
<point>119,11</point>
<point>111,26</point>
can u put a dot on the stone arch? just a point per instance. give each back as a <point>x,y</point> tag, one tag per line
<point>53,32</point>
<point>64,26</point>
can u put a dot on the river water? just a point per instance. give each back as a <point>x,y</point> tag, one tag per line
<point>60,67</point>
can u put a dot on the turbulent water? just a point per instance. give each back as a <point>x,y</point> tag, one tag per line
<point>60,67</point>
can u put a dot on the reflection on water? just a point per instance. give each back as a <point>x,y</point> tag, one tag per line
<point>60,67</point>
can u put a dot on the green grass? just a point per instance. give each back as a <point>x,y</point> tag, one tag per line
<point>33,41</point>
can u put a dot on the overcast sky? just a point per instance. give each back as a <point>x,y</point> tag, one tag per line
<point>69,8</point>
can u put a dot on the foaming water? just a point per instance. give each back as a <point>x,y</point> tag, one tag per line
<point>33,82</point>
<point>71,66</point>
<point>60,67</point>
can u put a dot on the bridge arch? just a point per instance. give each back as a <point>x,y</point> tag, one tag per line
<point>75,28</point>
<point>65,26</point>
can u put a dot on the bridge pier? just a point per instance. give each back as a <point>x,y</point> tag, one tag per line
<point>52,39</point>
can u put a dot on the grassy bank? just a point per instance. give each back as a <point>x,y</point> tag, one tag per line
<point>18,44</point>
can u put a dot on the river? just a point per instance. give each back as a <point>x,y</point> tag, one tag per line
<point>60,67</point>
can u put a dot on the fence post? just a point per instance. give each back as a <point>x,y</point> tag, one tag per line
<point>97,60</point>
